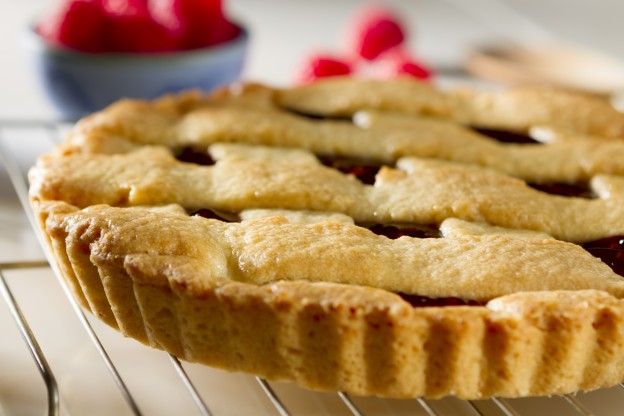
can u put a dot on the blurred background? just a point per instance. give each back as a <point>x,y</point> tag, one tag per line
<point>282,35</point>
<point>284,32</point>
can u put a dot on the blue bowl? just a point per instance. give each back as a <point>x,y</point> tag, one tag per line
<point>79,83</point>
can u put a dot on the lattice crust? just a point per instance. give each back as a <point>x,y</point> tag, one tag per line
<point>420,191</point>
<point>515,109</point>
<point>300,289</point>
<point>252,117</point>
<point>265,250</point>
<point>169,294</point>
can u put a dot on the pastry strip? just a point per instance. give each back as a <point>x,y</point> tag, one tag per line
<point>420,191</point>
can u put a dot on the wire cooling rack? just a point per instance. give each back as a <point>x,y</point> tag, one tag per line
<point>52,131</point>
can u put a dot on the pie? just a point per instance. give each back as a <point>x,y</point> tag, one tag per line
<point>382,238</point>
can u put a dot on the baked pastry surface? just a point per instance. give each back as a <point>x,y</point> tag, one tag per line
<point>241,230</point>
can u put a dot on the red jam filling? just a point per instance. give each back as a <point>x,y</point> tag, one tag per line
<point>610,250</point>
<point>318,117</point>
<point>423,301</point>
<point>197,156</point>
<point>578,190</point>
<point>394,231</point>
<point>217,215</point>
<point>363,170</point>
<point>505,136</point>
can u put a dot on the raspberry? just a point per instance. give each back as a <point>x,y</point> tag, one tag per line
<point>224,30</point>
<point>138,25</point>
<point>205,23</point>
<point>375,32</point>
<point>398,61</point>
<point>168,14</point>
<point>413,68</point>
<point>76,24</point>
<point>131,27</point>
<point>321,66</point>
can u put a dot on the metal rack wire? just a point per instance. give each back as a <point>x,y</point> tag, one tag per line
<point>16,176</point>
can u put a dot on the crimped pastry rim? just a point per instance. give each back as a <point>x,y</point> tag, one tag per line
<point>329,336</point>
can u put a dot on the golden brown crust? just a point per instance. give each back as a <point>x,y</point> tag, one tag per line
<point>208,253</point>
<point>330,336</point>
<point>345,96</point>
<point>306,295</point>
<point>515,109</point>
<point>173,123</point>
<point>420,191</point>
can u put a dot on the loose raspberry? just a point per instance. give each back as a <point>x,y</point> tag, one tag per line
<point>76,24</point>
<point>413,68</point>
<point>130,27</point>
<point>321,66</point>
<point>376,30</point>
<point>399,61</point>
